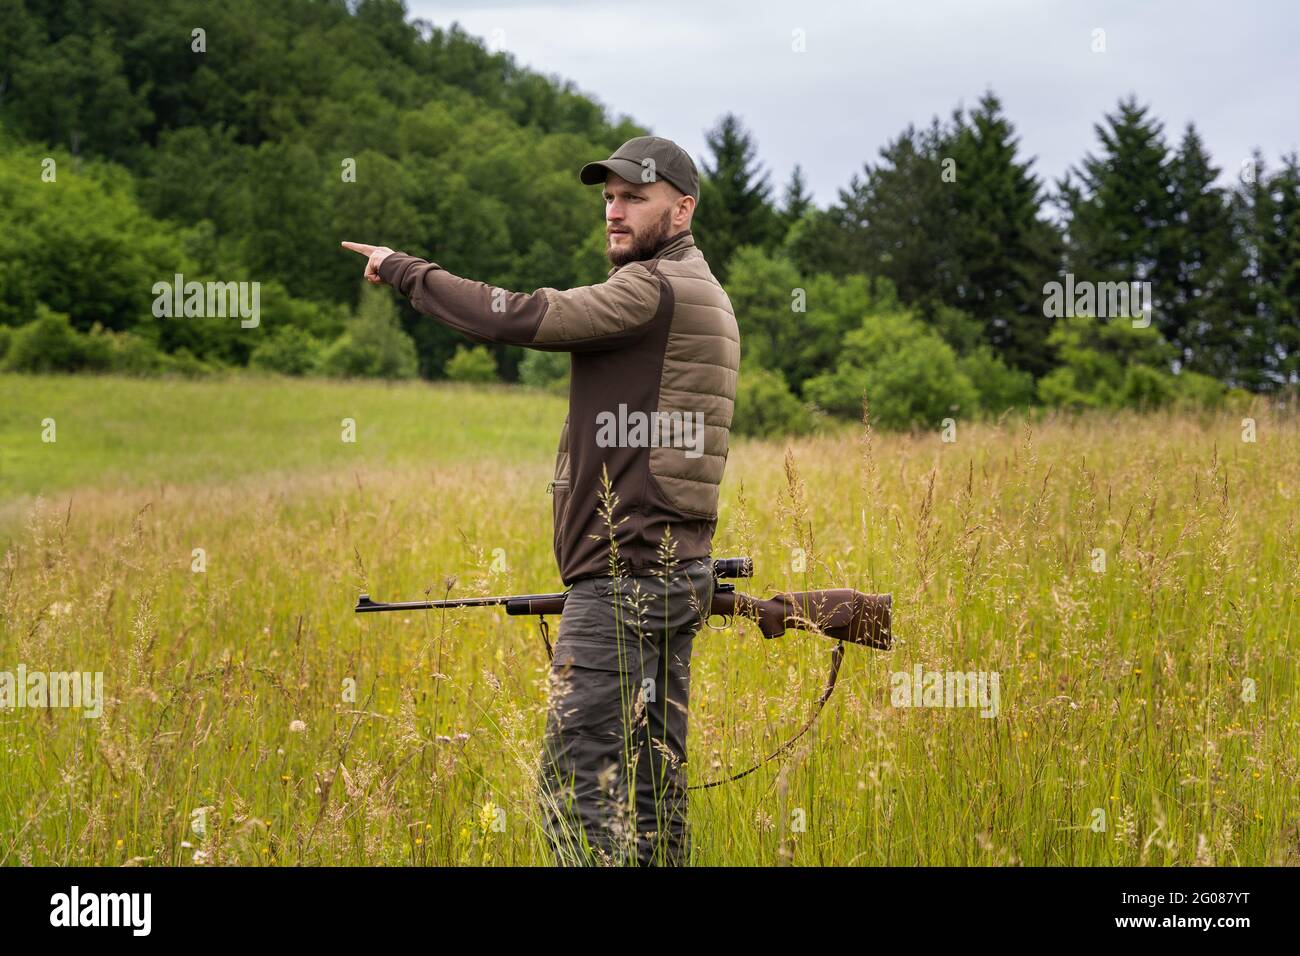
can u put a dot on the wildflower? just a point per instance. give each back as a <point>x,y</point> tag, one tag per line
<point>297,727</point>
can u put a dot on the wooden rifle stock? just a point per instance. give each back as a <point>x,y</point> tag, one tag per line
<point>842,614</point>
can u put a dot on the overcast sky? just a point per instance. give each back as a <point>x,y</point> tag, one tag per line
<point>870,68</point>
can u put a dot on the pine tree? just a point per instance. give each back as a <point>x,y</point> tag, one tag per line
<point>1118,203</point>
<point>894,221</point>
<point>1199,315</point>
<point>735,196</point>
<point>1004,252</point>
<point>1251,208</point>
<point>1280,270</point>
<point>797,198</point>
<point>1265,211</point>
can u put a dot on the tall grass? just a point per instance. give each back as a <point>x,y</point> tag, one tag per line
<point>1147,711</point>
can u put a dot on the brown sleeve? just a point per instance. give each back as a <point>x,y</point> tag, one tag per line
<point>594,317</point>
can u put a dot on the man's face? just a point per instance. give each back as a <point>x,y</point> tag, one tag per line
<point>639,216</point>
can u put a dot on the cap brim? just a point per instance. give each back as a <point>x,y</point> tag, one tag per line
<point>594,173</point>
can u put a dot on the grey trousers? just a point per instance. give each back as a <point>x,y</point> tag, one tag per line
<point>613,779</point>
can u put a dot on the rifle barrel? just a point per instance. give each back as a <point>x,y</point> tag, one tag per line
<point>364,603</point>
<point>522,603</point>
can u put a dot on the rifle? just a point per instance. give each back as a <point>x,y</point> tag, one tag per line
<point>841,614</point>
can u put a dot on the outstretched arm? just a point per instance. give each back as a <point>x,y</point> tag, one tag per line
<point>594,317</point>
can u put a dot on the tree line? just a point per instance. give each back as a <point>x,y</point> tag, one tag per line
<point>241,141</point>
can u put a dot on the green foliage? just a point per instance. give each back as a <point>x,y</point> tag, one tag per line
<point>110,253</point>
<point>761,289</point>
<point>1146,388</point>
<point>952,217</point>
<point>960,330</point>
<point>908,373</point>
<point>51,344</point>
<point>333,121</point>
<point>75,93</point>
<point>1062,388</point>
<point>792,323</point>
<point>1111,364</point>
<point>6,335</point>
<point>998,386</point>
<point>374,345</point>
<point>765,406</point>
<point>546,370</point>
<point>130,354</point>
<point>1193,390</point>
<point>799,327</point>
<point>472,365</point>
<point>288,350</point>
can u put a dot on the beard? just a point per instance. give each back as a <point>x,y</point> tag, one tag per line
<point>643,243</point>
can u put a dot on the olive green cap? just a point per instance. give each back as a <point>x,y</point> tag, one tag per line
<point>645,159</point>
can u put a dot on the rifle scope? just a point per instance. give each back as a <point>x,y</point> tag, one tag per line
<point>733,568</point>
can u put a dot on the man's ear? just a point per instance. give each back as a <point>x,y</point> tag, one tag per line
<point>689,206</point>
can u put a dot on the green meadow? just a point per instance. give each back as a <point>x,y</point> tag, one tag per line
<point>1130,580</point>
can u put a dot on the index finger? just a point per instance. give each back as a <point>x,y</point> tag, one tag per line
<point>360,247</point>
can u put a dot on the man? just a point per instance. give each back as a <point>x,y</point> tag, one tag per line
<point>655,352</point>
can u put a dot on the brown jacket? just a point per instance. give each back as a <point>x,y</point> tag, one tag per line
<point>658,336</point>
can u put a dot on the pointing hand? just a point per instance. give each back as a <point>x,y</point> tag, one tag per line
<point>374,256</point>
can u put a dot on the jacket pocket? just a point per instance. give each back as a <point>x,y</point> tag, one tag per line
<point>559,489</point>
<point>690,486</point>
